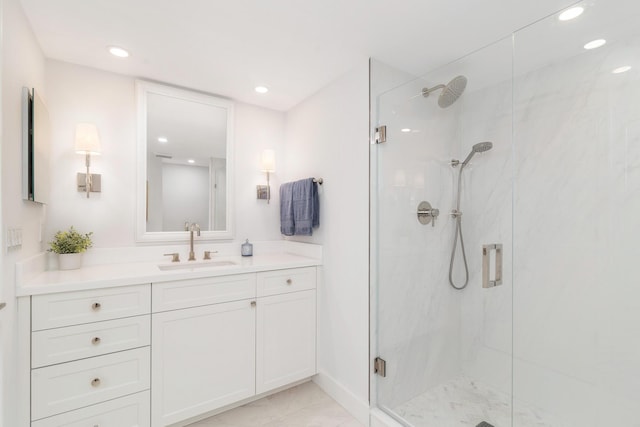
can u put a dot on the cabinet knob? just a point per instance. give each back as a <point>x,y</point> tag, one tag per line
<point>95,340</point>
<point>96,306</point>
<point>253,303</point>
<point>95,382</point>
<point>289,281</point>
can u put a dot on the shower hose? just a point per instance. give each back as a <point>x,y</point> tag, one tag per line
<point>458,233</point>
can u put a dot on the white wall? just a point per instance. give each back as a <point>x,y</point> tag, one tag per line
<point>327,136</point>
<point>80,94</point>
<point>22,65</point>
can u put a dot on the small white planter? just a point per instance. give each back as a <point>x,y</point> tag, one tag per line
<point>69,261</point>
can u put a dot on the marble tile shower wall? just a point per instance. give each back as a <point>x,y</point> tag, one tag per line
<point>576,210</point>
<point>435,334</point>
<point>561,191</point>
<point>418,314</point>
<point>486,314</point>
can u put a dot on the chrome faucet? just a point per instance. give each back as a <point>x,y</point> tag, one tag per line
<point>191,228</point>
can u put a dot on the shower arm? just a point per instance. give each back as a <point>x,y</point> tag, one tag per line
<point>426,91</point>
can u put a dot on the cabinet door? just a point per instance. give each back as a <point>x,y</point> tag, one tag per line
<point>286,341</point>
<point>202,358</point>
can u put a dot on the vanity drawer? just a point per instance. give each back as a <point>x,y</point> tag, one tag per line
<point>284,281</point>
<point>73,385</point>
<point>61,345</point>
<point>129,411</point>
<point>198,292</point>
<point>74,308</point>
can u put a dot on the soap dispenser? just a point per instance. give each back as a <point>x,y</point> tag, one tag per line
<point>247,248</point>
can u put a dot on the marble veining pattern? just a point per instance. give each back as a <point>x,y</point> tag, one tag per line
<point>464,402</point>
<point>305,405</point>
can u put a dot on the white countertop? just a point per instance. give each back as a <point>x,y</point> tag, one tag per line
<point>135,273</point>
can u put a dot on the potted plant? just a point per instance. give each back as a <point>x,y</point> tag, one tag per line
<point>69,245</point>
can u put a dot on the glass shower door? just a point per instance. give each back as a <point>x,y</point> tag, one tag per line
<point>447,351</point>
<point>577,219</point>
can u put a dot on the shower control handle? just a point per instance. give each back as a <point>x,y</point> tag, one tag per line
<point>427,214</point>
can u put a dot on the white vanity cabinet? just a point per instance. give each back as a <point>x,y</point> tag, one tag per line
<point>217,341</point>
<point>166,353</point>
<point>90,358</point>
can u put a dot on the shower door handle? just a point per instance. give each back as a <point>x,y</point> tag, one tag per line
<point>486,265</point>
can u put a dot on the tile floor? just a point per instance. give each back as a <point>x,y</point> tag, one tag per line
<point>302,406</point>
<point>464,402</point>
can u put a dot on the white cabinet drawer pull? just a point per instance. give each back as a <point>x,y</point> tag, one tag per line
<point>96,306</point>
<point>95,382</point>
<point>95,340</point>
<point>289,281</point>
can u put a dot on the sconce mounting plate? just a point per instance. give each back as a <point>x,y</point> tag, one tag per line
<point>96,182</point>
<point>262,192</point>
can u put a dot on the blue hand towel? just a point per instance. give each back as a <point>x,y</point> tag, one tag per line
<point>306,207</point>
<point>286,209</point>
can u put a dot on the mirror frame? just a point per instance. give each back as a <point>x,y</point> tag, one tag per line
<point>143,88</point>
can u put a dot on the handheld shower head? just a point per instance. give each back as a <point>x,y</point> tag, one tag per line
<point>450,92</point>
<point>480,147</point>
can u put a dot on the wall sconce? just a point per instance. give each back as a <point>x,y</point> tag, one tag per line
<point>268,165</point>
<point>88,143</point>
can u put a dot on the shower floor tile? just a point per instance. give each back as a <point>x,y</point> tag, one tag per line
<point>465,403</point>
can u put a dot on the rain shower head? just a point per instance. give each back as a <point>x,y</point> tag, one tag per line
<point>450,92</point>
<point>480,147</point>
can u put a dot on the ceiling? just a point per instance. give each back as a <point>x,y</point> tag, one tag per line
<point>294,47</point>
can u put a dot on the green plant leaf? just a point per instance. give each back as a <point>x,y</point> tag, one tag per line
<point>70,242</point>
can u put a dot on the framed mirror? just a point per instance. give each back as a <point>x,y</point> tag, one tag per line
<point>185,164</point>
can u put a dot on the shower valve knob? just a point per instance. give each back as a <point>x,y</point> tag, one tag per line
<point>434,214</point>
<point>427,214</point>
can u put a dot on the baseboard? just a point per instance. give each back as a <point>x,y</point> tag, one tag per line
<point>380,419</point>
<point>357,407</point>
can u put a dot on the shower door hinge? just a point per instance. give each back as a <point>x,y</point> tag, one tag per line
<point>381,134</point>
<point>380,367</point>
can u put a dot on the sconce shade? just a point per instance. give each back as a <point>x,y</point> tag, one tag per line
<point>87,139</point>
<point>268,161</point>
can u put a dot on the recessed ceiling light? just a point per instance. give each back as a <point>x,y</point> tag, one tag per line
<point>163,139</point>
<point>118,51</point>
<point>595,44</point>
<point>191,161</point>
<point>570,14</point>
<point>262,89</point>
<point>405,130</point>
<point>621,69</point>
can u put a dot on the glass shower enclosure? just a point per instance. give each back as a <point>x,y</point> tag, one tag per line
<point>546,332</point>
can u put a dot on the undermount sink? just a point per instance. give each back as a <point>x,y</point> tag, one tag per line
<point>192,266</point>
